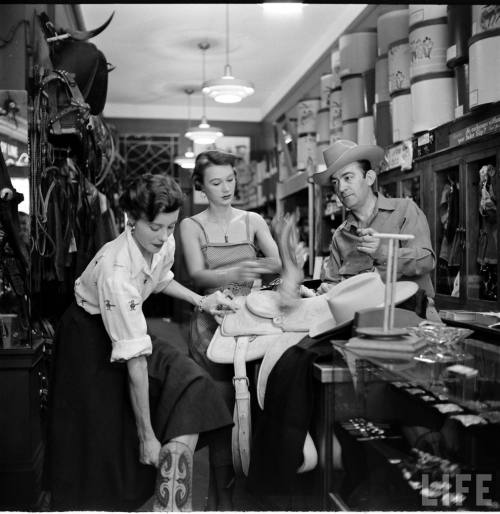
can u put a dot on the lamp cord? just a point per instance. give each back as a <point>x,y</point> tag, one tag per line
<point>227,34</point>
<point>203,50</point>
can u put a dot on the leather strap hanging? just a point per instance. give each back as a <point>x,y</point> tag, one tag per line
<point>242,433</point>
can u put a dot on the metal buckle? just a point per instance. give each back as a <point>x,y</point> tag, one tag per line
<point>245,378</point>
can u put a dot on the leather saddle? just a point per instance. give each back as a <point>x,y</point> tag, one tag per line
<point>256,328</point>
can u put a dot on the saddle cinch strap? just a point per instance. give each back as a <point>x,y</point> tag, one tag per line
<point>242,431</point>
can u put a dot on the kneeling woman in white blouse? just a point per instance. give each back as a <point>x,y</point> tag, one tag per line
<point>121,404</point>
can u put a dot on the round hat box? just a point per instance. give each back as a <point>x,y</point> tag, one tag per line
<point>424,12</point>
<point>432,100</point>
<point>326,87</point>
<point>358,52</point>
<point>382,79</point>
<point>484,68</point>
<point>382,123</point>
<point>399,65</point>
<point>350,129</point>
<point>485,17</point>
<point>352,96</point>
<point>391,26</point>
<point>336,134</point>
<point>401,114</point>
<point>336,108</point>
<point>335,65</point>
<point>428,47</point>
<point>307,111</point>
<point>321,147</point>
<point>323,124</point>
<point>307,158</point>
<point>459,32</point>
<point>368,91</point>
<point>366,131</point>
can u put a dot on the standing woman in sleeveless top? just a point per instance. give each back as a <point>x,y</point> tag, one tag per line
<point>220,251</point>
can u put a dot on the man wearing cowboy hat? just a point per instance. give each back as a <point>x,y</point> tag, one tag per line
<point>355,248</point>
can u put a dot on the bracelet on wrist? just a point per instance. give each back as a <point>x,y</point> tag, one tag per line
<point>201,302</point>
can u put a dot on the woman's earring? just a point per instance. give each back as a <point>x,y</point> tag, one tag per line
<point>203,195</point>
<point>131,225</point>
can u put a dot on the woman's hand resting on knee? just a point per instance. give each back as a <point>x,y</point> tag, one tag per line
<point>149,451</point>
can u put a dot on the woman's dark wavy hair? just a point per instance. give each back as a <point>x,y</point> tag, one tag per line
<point>206,159</point>
<point>149,195</point>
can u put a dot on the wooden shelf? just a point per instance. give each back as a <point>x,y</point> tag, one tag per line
<point>291,185</point>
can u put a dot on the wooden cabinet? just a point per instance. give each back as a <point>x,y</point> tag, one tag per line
<point>23,383</point>
<point>457,188</point>
<point>461,186</point>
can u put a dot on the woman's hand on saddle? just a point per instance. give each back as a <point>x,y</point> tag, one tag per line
<point>250,270</point>
<point>218,305</point>
<point>324,287</point>
<point>149,451</point>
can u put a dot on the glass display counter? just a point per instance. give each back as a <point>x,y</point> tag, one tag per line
<point>418,435</point>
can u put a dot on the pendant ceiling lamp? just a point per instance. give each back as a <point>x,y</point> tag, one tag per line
<point>204,134</point>
<point>228,89</point>
<point>187,160</point>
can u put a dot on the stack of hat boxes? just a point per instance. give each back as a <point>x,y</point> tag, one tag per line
<point>420,68</point>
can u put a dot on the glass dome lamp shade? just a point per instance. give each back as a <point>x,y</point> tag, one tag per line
<point>204,134</point>
<point>227,89</point>
<point>185,162</point>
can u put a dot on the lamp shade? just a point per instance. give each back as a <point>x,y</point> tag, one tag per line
<point>204,134</point>
<point>228,89</point>
<point>186,161</point>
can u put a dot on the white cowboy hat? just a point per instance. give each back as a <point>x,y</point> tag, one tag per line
<point>343,152</point>
<point>363,291</point>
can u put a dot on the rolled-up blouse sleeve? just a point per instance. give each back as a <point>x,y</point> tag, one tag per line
<point>121,311</point>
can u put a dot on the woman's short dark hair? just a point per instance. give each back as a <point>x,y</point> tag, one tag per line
<point>207,159</point>
<point>149,195</point>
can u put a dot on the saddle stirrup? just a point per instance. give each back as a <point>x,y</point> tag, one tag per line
<point>241,434</point>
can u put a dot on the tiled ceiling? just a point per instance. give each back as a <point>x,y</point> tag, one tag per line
<point>155,50</point>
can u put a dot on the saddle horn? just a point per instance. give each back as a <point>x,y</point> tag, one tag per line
<point>83,35</point>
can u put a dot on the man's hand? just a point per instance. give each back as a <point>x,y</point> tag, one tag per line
<point>369,243</point>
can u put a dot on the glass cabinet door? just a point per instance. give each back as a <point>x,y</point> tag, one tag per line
<point>449,233</point>
<point>410,188</point>
<point>482,228</point>
<point>390,190</point>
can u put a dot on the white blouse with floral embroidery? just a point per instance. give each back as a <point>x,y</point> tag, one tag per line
<point>115,284</point>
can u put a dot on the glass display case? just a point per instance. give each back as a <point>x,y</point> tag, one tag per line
<point>417,436</point>
<point>463,219</point>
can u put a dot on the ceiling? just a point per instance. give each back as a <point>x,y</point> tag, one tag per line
<point>155,50</point>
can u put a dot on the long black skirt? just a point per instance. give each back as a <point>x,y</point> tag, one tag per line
<point>93,447</point>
